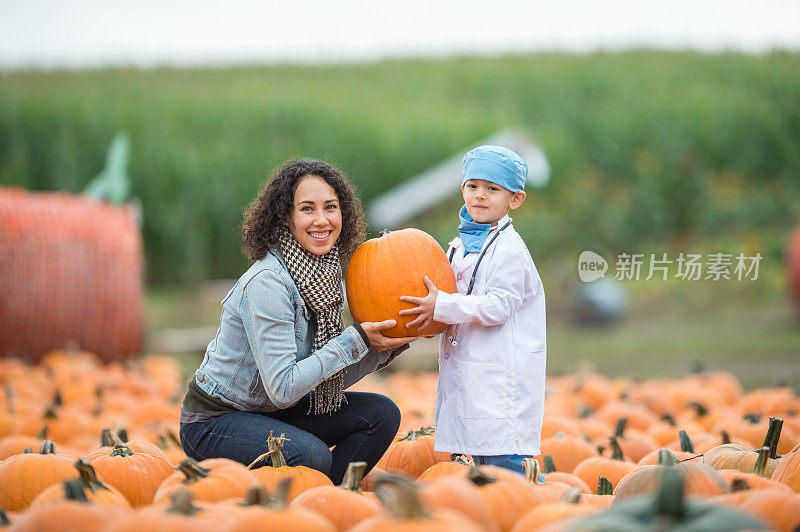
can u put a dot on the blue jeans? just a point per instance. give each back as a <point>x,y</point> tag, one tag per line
<point>361,430</point>
<point>512,462</point>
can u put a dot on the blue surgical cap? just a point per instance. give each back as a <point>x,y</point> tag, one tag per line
<point>496,164</point>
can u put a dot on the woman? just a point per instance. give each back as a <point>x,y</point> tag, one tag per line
<point>281,359</point>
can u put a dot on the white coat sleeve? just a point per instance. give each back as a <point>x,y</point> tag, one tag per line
<point>503,294</point>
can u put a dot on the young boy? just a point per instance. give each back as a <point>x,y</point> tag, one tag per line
<point>490,397</point>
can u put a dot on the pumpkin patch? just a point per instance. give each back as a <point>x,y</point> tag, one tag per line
<point>96,443</point>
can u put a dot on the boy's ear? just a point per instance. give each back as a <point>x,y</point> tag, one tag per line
<point>517,200</point>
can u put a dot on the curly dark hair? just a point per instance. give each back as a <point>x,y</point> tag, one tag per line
<point>266,215</point>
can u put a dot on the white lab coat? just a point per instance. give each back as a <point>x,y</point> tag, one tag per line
<point>490,398</point>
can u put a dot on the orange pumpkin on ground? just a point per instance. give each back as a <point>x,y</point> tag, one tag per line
<point>383,269</point>
<point>215,479</point>
<point>459,494</point>
<point>24,476</point>
<point>303,477</point>
<point>412,453</point>
<point>136,475</point>
<point>788,471</point>
<point>455,467</point>
<point>181,515</point>
<point>264,513</point>
<point>96,492</point>
<point>406,512</point>
<point>566,451</point>
<point>551,475</point>
<point>544,514</point>
<point>613,468</point>
<point>344,506</point>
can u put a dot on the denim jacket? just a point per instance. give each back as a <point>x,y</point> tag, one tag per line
<point>261,359</point>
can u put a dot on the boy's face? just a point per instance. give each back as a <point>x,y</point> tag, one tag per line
<point>487,202</point>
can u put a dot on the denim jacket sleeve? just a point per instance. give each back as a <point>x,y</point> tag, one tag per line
<point>269,320</point>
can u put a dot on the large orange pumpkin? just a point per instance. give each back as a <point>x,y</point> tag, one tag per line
<point>24,476</point>
<point>383,269</point>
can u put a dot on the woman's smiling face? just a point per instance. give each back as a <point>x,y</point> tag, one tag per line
<point>316,219</point>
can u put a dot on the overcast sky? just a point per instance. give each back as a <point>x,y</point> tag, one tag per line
<point>90,33</point>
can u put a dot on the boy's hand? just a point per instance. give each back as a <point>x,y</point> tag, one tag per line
<point>425,309</point>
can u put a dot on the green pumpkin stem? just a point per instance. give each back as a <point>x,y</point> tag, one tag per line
<point>43,433</point>
<point>669,502</point>
<point>549,464</point>
<point>256,496</point>
<point>88,476</point>
<point>73,490</point>
<point>687,445</point>
<point>47,447</point>
<point>121,450</point>
<point>726,438</point>
<point>412,435</point>
<point>27,450</point>
<point>669,419</point>
<point>619,432</point>
<point>109,438</point>
<point>604,486</point>
<point>760,467</point>
<point>616,450</point>
<point>182,503</point>
<point>571,496</point>
<point>700,409</point>
<point>353,476</point>
<point>4,518</point>
<point>123,435</point>
<point>776,436</point>
<point>280,499</point>
<point>666,458</point>
<point>739,484</point>
<point>479,478</point>
<point>192,471</point>
<point>403,500</point>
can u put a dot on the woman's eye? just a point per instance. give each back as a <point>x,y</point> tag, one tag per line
<point>332,207</point>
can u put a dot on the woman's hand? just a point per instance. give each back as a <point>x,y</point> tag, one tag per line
<point>425,307</point>
<point>379,342</point>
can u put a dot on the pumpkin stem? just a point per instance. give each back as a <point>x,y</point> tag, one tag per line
<point>461,459</point>
<point>549,464</point>
<point>620,430</point>
<point>776,436</point>
<point>4,518</point>
<point>57,399</point>
<point>604,486</point>
<point>403,501</point>
<point>109,438</point>
<point>43,433</point>
<point>666,458</point>
<point>27,450</point>
<point>192,470</point>
<point>384,232</point>
<point>701,410</point>
<point>585,411</point>
<point>752,417</point>
<point>121,450</point>
<point>123,435</point>
<point>739,484</point>
<point>669,502</point>
<point>73,490</point>
<point>88,475</point>
<point>669,419</point>
<point>532,470</point>
<point>571,496</point>
<point>687,445</point>
<point>10,398</point>
<point>173,438</point>
<point>616,451</point>
<point>47,447</point>
<point>412,435</point>
<point>759,468</point>
<point>280,498</point>
<point>353,476</point>
<point>726,438</point>
<point>256,496</point>
<point>479,478</point>
<point>182,503</point>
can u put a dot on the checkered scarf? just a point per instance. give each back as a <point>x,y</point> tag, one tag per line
<point>319,279</point>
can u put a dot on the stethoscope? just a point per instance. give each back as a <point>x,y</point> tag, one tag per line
<point>452,337</point>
